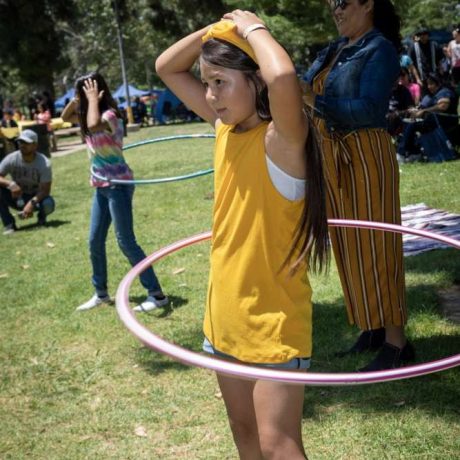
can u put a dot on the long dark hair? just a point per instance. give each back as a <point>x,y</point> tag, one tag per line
<point>311,238</point>
<point>106,102</point>
<point>387,21</point>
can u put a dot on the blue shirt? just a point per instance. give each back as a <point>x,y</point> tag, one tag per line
<point>358,86</point>
<point>430,100</point>
<point>443,93</point>
<point>405,61</point>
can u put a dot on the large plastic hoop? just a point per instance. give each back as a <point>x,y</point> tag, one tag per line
<point>251,372</point>
<point>163,179</point>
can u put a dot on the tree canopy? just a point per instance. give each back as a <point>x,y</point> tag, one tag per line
<point>46,44</point>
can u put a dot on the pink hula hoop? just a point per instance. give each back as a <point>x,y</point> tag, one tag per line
<point>251,372</point>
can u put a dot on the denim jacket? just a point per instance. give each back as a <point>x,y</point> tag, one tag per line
<point>358,87</point>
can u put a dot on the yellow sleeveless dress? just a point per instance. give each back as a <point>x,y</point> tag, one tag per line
<point>362,177</point>
<point>255,312</point>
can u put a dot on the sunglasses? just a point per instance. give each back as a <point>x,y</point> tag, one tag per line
<point>342,4</point>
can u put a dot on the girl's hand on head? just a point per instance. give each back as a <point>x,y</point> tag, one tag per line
<point>243,19</point>
<point>91,90</point>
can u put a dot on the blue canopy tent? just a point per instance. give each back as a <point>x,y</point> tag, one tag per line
<point>167,102</point>
<point>60,103</point>
<point>120,92</point>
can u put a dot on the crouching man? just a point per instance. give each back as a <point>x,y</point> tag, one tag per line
<point>29,184</point>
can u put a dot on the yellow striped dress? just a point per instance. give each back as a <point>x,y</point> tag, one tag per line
<point>362,177</point>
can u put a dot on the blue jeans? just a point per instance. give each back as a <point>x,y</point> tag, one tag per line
<point>409,143</point>
<point>44,208</point>
<point>114,203</point>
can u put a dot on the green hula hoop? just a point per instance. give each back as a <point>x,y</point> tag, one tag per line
<point>164,179</point>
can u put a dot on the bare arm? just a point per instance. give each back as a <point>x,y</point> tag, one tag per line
<point>414,71</point>
<point>441,106</point>
<point>70,111</point>
<point>15,189</point>
<point>289,129</point>
<point>174,68</point>
<point>278,72</point>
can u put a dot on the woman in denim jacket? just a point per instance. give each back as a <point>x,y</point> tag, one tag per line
<point>348,88</point>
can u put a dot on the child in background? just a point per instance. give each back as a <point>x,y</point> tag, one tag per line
<point>43,117</point>
<point>101,125</point>
<point>264,235</point>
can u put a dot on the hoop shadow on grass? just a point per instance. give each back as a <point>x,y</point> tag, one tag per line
<point>156,363</point>
<point>436,394</point>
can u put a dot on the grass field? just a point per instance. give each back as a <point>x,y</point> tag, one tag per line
<point>79,386</point>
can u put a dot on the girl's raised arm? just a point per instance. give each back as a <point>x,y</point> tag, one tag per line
<point>278,72</point>
<point>70,113</point>
<point>174,68</point>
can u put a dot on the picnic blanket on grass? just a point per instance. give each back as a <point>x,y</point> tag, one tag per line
<point>422,217</point>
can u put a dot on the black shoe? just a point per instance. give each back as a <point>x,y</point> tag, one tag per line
<point>390,357</point>
<point>368,341</point>
<point>41,221</point>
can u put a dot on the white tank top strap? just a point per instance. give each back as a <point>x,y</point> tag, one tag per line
<point>290,187</point>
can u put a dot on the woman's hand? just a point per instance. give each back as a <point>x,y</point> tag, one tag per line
<point>416,113</point>
<point>91,90</point>
<point>243,19</point>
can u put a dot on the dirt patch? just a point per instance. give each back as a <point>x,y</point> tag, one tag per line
<point>450,303</point>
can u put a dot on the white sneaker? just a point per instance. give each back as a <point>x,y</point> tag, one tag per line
<point>152,302</point>
<point>95,301</point>
<point>9,229</point>
<point>401,159</point>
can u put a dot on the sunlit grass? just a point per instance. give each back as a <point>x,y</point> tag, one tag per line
<point>78,385</point>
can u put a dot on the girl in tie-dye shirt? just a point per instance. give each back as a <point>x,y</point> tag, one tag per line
<point>105,150</point>
<point>101,124</point>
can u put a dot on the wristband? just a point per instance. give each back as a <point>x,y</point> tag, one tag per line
<point>11,185</point>
<point>251,28</point>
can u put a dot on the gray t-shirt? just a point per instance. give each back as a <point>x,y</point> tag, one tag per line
<point>27,175</point>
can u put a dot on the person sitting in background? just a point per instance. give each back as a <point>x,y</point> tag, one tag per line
<point>18,115</point>
<point>414,88</point>
<point>440,100</point>
<point>139,111</point>
<point>401,101</point>
<point>8,121</point>
<point>29,188</point>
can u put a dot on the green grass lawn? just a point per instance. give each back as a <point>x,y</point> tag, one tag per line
<point>77,385</point>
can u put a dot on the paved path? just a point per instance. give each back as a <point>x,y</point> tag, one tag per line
<point>68,147</point>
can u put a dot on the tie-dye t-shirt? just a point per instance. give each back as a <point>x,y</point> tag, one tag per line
<point>106,154</point>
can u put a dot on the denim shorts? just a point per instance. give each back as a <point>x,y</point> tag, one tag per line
<point>293,364</point>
